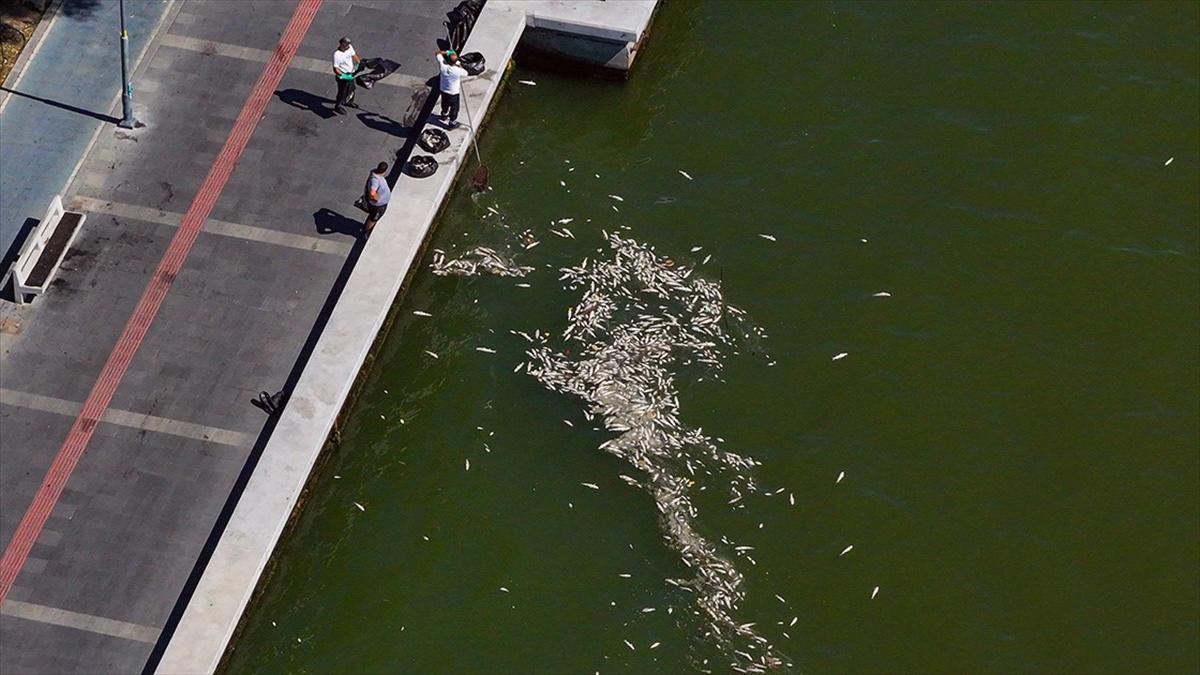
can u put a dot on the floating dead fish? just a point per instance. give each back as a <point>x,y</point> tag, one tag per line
<point>524,285</point>
<point>485,350</point>
<point>617,197</point>
<point>360,506</point>
<point>591,485</point>
<point>780,598</point>
<point>468,465</point>
<point>874,592</point>
<point>685,174</point>
<point>793,621</point>
<point>882,294</point>
<point>564,221</point>
<point>420,313</point>
<point>432,354</point>
<point>568,423</point>
<point>791,499</point>
<point>841,475</point>
<point>624,575</point>
<point>528,82</point>
<point>562,183</point>
<point>768,237</point>
<point>504,589</point>
<point>647,610</point>
<point>1168,162</point>
<point>839,357</point>
<point>846,550</point>
<point>655,645</point>
<point>629,644</point>
<point>696,248</point>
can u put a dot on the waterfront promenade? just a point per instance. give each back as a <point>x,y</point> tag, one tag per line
<point>123,440</point>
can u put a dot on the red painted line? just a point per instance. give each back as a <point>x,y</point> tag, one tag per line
<point>172,261</point>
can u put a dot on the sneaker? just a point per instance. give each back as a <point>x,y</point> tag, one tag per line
<point>340,110</point>
<point>452,124</point>
<point>352,104</point>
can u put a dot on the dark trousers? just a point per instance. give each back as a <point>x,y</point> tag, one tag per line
<point>345,92</point>
<point>450,106</point>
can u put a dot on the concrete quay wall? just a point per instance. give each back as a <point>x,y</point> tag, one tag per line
<point>314,405</point>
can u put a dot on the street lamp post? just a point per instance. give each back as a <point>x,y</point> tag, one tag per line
<point>127,119</point>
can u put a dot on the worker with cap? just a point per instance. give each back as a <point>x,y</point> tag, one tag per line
<point>449,86</point>
<point>345,64</point>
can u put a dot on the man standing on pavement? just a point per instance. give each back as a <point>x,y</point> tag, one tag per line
<point>378,194</point>
<point>449,84</point>
<point>345,63</point>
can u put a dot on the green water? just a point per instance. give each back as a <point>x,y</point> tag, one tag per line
<point>1018,423</point>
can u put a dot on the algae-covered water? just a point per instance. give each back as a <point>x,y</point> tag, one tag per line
<point>1017,421</point>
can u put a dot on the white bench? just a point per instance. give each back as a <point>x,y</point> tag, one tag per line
<point>43,251</point>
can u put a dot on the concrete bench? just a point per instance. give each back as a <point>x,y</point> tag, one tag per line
<point>43,251</point>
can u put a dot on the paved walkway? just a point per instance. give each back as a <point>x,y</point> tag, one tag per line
<point>240,305</point>
<point>62,96</point>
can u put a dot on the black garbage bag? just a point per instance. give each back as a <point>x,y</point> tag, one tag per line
<point>371,71</point>
<point>421,166</point>
<point>433,140</point>
<point>461,19</point>
<point>472,62</point>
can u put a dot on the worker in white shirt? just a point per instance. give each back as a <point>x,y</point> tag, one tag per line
<point>345,64</point>
<point>449,86</point>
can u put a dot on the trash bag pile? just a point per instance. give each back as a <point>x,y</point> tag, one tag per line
<point>461,19</point>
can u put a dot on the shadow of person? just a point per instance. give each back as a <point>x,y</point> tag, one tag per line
<point>320,106</point>
<point>384,123</point>
<point>332,222</point>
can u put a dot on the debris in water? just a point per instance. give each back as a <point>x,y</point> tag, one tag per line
<point>768,237</point>
<point>840,356</point>
<point>685,174</point>
<point>476,260</point>
<point>641,317</point>
<point>846,550</point>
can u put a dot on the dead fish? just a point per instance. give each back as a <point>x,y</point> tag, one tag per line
<point>696,248</point>
<point>874,592</point>
<point>360,506</point>
<point>617,197</point>
<point>793,622</point>
<point>528,82</point>
<point>568,423</point>
<point>524,286</point>
<point>685,174</point>
<point>468,465</point>
<point>591,485</point>
<point>839,357</point>
<point>504,589</point>
<point>629,644</point>
<point>791,499</point>
<point>485,350</point>
<point>1167,163</point>
<point>420,313</point>
<point>768,237</point>
<point>432,354</point>
<point>840,477</point>
<point>564,221</point>
<point>882,294</point>
<point>846,550</point>
<point>647,610</point>
<point>625,575</point>
<point>655,645</point>
<point>562,183</point>
<point>780,598</point>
